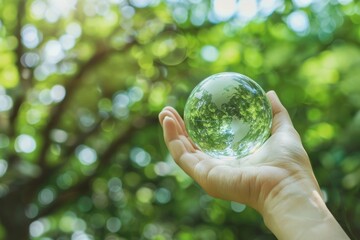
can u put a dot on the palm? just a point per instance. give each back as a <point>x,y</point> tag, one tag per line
<point>247,180</point>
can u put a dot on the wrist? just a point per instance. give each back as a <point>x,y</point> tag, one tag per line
<point>300,213</point>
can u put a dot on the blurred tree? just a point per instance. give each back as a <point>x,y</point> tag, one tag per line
<point>82,82</point>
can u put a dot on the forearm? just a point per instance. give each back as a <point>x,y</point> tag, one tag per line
<point>302,216</point>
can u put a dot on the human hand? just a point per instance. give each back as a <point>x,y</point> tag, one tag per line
<point>280,162</point>
<point>277,180</point>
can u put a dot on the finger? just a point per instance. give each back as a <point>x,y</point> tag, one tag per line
<point>175,142</point>
<point>281,118</point>
<point>171,112</point>
<point>178,148</point>
<point>178,118</point>
<point>166,113</point>
<point>172,138</point>
<point>188,162</point>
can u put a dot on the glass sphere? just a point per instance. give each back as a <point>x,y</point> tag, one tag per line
<point>228,115</point>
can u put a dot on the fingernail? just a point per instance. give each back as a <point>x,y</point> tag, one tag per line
<point>166,118</point>
<point>163,120</point>
<point>273,93</point>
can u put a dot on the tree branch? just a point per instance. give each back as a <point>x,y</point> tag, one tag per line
<point>35,184</point>
<point>70,88</point>
<point>85,184</point>
<point>24,83</point>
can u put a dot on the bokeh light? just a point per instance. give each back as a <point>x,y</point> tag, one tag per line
<point>247,10</point>
<point>298,21</point>
<point>30,59</point>
<point>6,102</point>
<point>113,224</point>
<point>57,93</point>
<point>302,3</point>
<point>31,37</point>
<point>209,53</point>
<point>3,167</point>
<point>25,143</point>
<point>140,157</point>
<point>37,228</point>
<point>53,52</point>
<point>86,155</point>
<point>46,196</point>
<point>224,10</point>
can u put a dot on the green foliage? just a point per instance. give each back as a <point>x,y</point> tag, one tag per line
<point>82,82</point>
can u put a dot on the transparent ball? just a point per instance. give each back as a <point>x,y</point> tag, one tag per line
<point>228,115</point>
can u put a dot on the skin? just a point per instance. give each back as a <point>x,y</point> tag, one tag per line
<point>277,180</point>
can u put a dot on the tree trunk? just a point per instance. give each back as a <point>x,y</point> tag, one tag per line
<point>13,217</point>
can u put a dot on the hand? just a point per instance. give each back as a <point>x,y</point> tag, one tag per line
<point>280,162</point>
<point>277,180</point>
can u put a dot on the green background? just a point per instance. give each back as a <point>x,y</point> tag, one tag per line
<point>82,83</point>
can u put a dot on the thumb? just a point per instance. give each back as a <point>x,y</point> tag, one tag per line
<point>281,118</point>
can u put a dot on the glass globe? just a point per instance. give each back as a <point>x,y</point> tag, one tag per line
<point>228,115</point>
